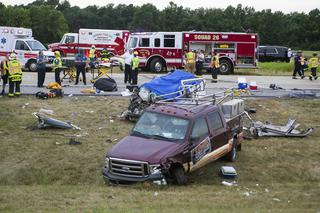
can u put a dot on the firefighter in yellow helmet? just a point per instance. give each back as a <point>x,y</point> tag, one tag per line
<point>56,66</point>
<point>313,63</point>
<point>135,68</point>
<point>14,75</point>
<point>190,61</point>
<point>92,56</point>
<point>215,67</point>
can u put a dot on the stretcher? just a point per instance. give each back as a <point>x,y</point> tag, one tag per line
<point>102,68</point>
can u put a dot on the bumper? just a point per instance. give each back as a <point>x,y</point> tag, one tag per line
<point>108,175</point>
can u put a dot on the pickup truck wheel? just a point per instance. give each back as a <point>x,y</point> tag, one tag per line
<point>232,155</point>
<point>180,176</point>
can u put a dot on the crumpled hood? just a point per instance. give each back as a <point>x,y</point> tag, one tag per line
<point>142,149</point>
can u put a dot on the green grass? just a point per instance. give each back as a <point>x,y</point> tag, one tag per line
<point>40,172</point>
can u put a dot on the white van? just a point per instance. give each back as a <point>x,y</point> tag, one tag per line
<point>21,41</point>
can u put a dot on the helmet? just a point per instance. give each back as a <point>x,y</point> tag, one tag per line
<point>12,56</point>
<point>57,53</point>
<point>136,52</point>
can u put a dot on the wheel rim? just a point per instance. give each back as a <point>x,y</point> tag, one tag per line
<point>224,68</point>
<point>158,66</point>
<point>33,67</point>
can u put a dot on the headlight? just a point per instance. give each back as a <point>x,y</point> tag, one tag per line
<point>155,169</point>
<point>106,162</point>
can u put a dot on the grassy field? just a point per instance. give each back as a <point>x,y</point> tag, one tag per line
<point>40,172</point>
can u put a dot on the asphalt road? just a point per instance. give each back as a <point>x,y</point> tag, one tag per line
<point>289,85</point>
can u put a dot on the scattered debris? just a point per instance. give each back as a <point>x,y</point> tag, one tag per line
<point>155,194</point>
<point>275,87</point>
<point>108,141</point>
<point>266,190</point>
<point>226,183</point>
<point>247,194</point>
<point>88,91</point>
<point>276,199</point>
<point>25,105</point>
<point>70,95</point>
<point>111,121</point>
<point>126,92</point>
<point>73,141</point>
<point>160,182</point>
<point>45,121</point>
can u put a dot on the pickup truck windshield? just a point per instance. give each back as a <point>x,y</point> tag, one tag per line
<point>160,126</point>
<point>36,45</point>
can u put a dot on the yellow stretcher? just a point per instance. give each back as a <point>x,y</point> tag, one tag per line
<point>102,68</point>
<point>69,73</point>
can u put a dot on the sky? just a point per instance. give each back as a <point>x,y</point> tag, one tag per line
<point>285,6</point>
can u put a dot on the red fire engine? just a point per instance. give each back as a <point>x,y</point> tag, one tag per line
<point>113,40</point>
<point>159,50</point>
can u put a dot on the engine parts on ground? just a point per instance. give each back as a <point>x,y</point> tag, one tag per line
<point>44,121</point>
<point>51,94</point>
<point>259,129</point>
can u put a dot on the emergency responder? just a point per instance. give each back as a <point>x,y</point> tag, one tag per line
<point>56,66</point>
<point>135,68</point>
<point>127,56</point>
<point>199,62</point>
<point>81,62</point>
<point>313,63</point>
<point>92,56</point>
<point>4,73</point>
<point>15,75</point>
<point>297,65</point>
<point>41,68</point>
<point>191,58</point>
<point>215,67</point>
<point>304,65</point>
<point>104,55</point>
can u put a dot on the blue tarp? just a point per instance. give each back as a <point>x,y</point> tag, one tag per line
<point>168,83</point>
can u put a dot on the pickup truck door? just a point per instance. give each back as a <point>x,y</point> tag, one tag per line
<point>218,129</point>
<point>200,140</point>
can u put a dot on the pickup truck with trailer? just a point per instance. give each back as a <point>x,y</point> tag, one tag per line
<point>170,140</point>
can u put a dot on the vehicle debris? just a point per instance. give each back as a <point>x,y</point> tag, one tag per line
<point>44,121</point>
<point>226,183</point>
<point>73,141</point>
<point>228,172</point>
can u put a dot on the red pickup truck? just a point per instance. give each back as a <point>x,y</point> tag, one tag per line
<point>171,140</point>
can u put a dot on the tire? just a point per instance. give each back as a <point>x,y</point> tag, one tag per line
<point>156,65</point>
<point>232,155</point>
<point>226,67</point>
<point>32,65</point>
<point>179,175</point>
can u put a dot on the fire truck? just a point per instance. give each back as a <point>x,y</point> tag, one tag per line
<point>160,50</point>
<point>20,41</point>
<point>113,40</point>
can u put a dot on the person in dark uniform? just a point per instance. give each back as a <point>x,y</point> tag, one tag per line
<point>297,65</point>
<point>41,68</point>
<point>81,62</point>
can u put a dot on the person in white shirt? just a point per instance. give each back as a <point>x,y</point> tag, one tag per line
<point>128,56</point>
<point>199,62</point>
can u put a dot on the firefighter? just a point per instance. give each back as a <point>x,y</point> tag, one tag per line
<point>80,62</point>
<point>297,65</point>
<point>4,73</point>
<point>104,55</point>
<point>15,75</point>
<point>191,57</point>
<point>135,67</point>
<point>57,64</point>
<point>215,67</point>
<point>313,63</point>
<point>41,68</point>
<point>92,56</point>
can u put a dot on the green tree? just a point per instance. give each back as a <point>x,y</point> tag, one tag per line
<point>16,17</point>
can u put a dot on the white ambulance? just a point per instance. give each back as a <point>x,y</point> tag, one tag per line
<point>20,40</point>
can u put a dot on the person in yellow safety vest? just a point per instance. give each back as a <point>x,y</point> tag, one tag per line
<point>215,67</point>
<point>191,61</point>
<point>56,66</point>
<point>104,55</point>
<point>4,73</point>
<point>14,75</point>
<point>135,68</point>
<point>313,63</point>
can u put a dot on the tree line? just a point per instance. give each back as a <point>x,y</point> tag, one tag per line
<point>50,19</point>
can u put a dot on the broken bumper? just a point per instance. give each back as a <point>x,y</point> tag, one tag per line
<point>152,177</point>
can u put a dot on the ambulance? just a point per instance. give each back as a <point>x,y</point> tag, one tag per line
<point>112,40</point>
<point>20,41</point>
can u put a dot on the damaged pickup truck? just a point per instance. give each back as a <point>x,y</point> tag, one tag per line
<point>170,140</point>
